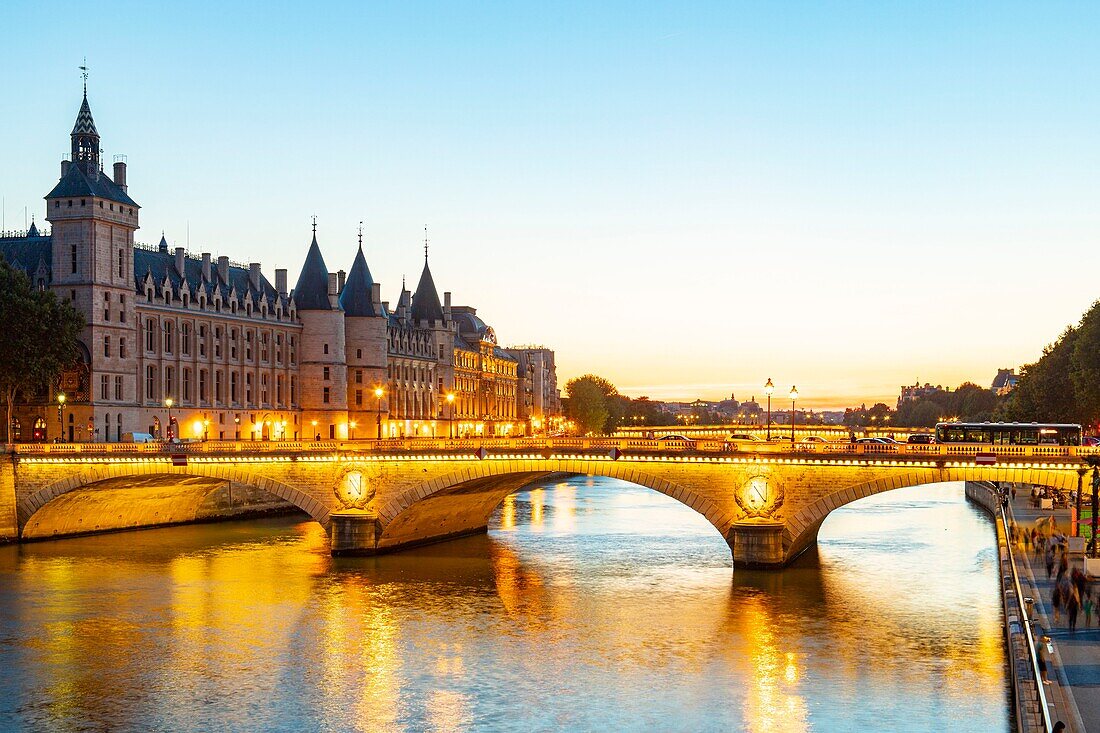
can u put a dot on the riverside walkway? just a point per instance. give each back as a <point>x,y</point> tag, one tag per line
<point>1075,672</point>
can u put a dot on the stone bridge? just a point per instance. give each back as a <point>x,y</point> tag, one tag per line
<point>767,500</point>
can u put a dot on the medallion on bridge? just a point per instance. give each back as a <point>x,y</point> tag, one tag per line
<point>759,497</point>
<point>352,488</point>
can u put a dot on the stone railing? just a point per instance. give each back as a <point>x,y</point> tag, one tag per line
<point>884,451</point>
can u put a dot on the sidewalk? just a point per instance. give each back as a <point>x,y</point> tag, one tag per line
<point>1076,668</point>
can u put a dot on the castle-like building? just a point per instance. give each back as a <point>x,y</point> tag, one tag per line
<point>205,348</point>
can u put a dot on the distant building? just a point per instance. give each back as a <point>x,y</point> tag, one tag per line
<point>538,399</point>
<point>1005,381</point>
<point>917,391</point>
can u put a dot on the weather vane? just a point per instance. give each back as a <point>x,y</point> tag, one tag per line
<point>314,225</point>
<point>360,235</point>
<point>425,242</point>
<point>84,73</point>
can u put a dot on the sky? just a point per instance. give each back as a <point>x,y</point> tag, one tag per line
<point>685,198</point>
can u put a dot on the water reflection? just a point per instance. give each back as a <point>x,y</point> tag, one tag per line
<point>590,605</point>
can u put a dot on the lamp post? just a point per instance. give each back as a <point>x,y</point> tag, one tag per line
<point>351,430</point>
<point>768,389</point>
<point>1095,501</point>
<point>451,421</point>
<point>378,392</point>
<point>236,427</point>
<point>205,428</point>
<point>313,424</point>
<point>61,415</point>
<point>794,396</point>
<point>1077,524</point>
<point>168,432</point>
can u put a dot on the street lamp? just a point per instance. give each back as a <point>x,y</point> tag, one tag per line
<point>313,424</point>
<point>378,392</point>
<point>1077,524</point>
<point>794,396</point>
<point>351,430</point>
<point>168,403</point>
<point>768,389</point>
<point>451,422</point>
<point>205,428</point>
<point>61,415</point>
<point>236,427</point>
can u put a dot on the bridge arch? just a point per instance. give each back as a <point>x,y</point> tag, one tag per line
<point>801,530</point>
<point>462,501</point>
<point>29,505</point>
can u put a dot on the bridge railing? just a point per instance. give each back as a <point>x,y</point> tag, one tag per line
<point>628,445</point>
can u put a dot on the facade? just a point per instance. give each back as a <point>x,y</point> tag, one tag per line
<point>194,347</point>
<point>539,399</point>
<point>1005,381</point>
<point>917,391</point>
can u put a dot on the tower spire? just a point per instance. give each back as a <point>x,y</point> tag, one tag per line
<point>425,243</point>
<point>360,235</point>
<point>84,73</point>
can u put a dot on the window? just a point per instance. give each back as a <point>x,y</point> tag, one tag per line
<point>218,387</point>
<point>248,346</point>
<point>293,390</point>
<point>263,388</point>
<point>72,256</point>
<point>118,390</point>
<point>358,353</point>
<point>248,388</point>
<point>106,345</point>
<point>324,397</point>
<point>358,398</point>
<point>202,340</point>
<point>106,306</point>
<point>121,264</point>
<point>279,389</point>
<point>122,348</point>
<point>122,308</point>
<point>218,343</point>
<point>325,371</point>
<point>233,387</point>
<point>233,344</point>
<point>186,385</point>
<point>167,337</point>
<point>168,382</point>
<point>104,387</point>
<point>293,359</point>
<point>202,385</point>
<point>326,345</point>
<point>185,339</point>
<point>358,376</point>
<point>150,383</point>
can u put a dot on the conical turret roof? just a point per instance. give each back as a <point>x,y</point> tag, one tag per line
<point>311,292</point>
<point>357,299</point>
<point>85,125</point>
<point>425,301</point>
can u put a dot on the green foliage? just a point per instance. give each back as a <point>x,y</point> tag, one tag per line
<point>1056,388</point>
<point>592,403</point>
<point>969,402</point>
<point>38,333</point>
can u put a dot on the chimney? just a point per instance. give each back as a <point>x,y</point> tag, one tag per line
<point>65,167</point>
<point>340,275</point>
<point>254,275</point>
<point>179,261</point>
<point>386,305</point>
<point>376,297</point>
<point>223,268</point>
<point>280,281</point>
<point>333,284</point>
<point>447,306</point>
<point>120,173</point>
<point>206,267</point>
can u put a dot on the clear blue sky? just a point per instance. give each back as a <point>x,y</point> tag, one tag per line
<point>686,199</point>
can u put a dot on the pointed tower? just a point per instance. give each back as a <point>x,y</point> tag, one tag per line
<point>428,315</point>
<point>322,366</point>
<point>93,220</point>
<point>366,340</point>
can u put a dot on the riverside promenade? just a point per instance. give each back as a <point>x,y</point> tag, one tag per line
<point>1075,672</point>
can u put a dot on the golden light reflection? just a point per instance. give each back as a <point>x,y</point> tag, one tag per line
<point>538,500</point>
<point>772,701</point>
<point>565,508</point>
<point>508,513</point>
<point>449,710</point>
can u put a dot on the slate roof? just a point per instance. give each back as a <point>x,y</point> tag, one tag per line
<point>76,182</point>
<point>26,253</point>
<point>425,301</point>
<point>311,292</point>
<point>357,297</point>
<point>85,125</point>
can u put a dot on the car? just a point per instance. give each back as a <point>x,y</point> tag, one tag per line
<point>870,441</point>
<point>921,439</point>
<point>813,439</point>
<point>674,436</point>
<point>889,441</point>
<point>743,436</point>
<point>1091,441</point>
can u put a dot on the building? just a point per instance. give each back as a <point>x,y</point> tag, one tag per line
<point>1005,381</point>
<point>917,391</point>
<point>539,399</point>
<point>198,347</point>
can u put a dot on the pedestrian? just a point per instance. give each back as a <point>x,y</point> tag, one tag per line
<point>1056,601</point>
<point>1059,727</point>
<point>1049,560</point>
<point>1073,604</point>
<point>1086,606</point>
<point>1042,657</point>
<point>1014,492</point>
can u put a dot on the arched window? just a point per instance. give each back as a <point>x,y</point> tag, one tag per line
<point>16,432</point>
<point>39,430</point>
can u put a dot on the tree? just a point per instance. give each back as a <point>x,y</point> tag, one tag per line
<point>1045,391</point>
<point>1084,369</point>
<point>39,336</point>
<point>593,403</point>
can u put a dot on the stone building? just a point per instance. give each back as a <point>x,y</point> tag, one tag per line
<point>203,348</point>
<point>538,401</point>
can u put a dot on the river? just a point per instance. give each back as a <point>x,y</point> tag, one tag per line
<point>590,605</point>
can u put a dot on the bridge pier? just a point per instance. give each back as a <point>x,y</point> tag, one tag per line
<point>355,533</point>
<point>9,520</point>
<point>757,544</point>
